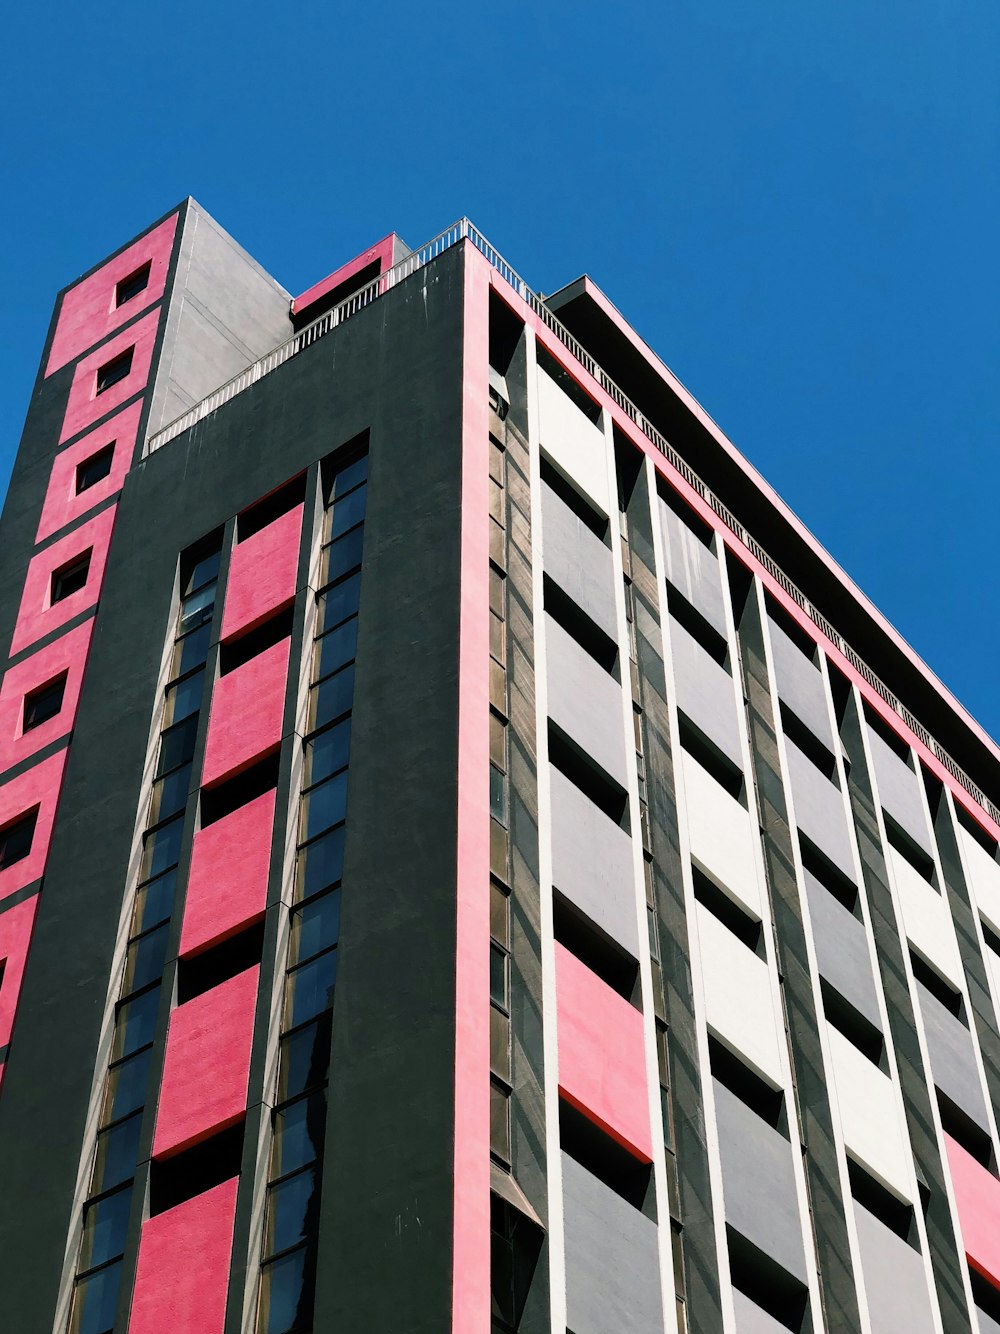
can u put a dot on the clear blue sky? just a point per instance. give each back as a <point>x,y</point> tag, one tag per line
<point>794,201</point>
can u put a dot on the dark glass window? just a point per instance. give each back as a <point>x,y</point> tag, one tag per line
<point>170,794</point>
<point>192,650</point>
<point>348,512</point>
<point>498,795</point>
<point>95,469</point>
<point>70,578</point>
<point>144,961</point>
<point>321,863</point>
<point>315,926</point>
<point>126,1090</point>
<point>345,554</point>
<point>305,1058</point>
<point>183,699</point>
<point>104,1225</point>
<point>95,1300</point>
<point>203,571</point>
<point>197,608</point>
<point>298,1134</point>
<point>309,989</point>
<point>337,648</point>
<point>154,902</point>
<point>350,476</point>
<point>328,752</point>
<point>498,975</point>
<point>332,698</point>
<point>325,806</point>
<point>177,745</point>
<point>285,1295</point>
<point>161,849</point>
<point>339,602</point>
<point>43,703</point>
<point>117,1153</point>
<point>133,284</point>
<point>16,839</point>
<point>135,1024</point>
<point>113,371</point>
<point>290,1208</point>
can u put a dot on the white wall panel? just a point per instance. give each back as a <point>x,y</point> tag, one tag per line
<point>869,1115</point>
<point>573,443</point>
<point>738,1001</point>
<point>721,835</point>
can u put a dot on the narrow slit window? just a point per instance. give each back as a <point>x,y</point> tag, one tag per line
<point>44,703</point>
<point>113,371</point>
<point>130,286</point>
<point>70,578</point>
<point>95,469</point>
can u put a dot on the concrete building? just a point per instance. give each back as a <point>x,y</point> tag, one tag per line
<point>469,860</point>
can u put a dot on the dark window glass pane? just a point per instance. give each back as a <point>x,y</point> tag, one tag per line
<point>183,699</point>
<point>126,1089</point>
<point>95,1300</point>
<point>104,1225</point>
<point>129,288</point>
<point>197,608</point>
<point>191,651</point>
<point>340,646</point>
<point>305,1058</point>
<point>292,1208</point>
<point>154,902</point>
<point>321,863</point>
<point>44,703</point>
<point>332,698</point>
<point>16,839</point>
<point>345,554</point>
<point>298,1134</point>
<point>117,1151</point>
<point>161,850</point>
<point>499,1122</point>
<point>114,371</point>
<point>347,511</point>
<point>71,578</point>
<point>170,795</point>
<point>95,469</point>
<point>135,1024</point>
<point>203,570</point>
<point>309,989</point>
<point>498,795</point>
<point>325,805</point>
<point>498,976</point>
<point>286,1295</point>
<point>339,602</point>
<point>177,745</point>
<point>315,926</point>
<point>144,961</point>
<point>350,476</point>
<point>328,752</point>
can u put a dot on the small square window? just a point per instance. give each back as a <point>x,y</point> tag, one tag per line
<point>114,370</point>
<point>95,469</point>
<point>16,839</point>
<point>44,703</point>
<point>132,285</point>
<point>70,578</point>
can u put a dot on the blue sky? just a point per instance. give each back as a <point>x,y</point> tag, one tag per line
<point>794,201</point>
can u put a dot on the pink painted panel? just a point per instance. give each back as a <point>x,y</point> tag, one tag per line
<point>380,251</point>
<point>182,1276</point>
<point>977,1196</point>
<point>85,405</point>
<point>262,574</point>
<point>88,312</point>
<point>39,615</point>
<point>67,654</point>
<point>15,935</point>
<point>62,504</point>
<point>227,883</point>
<point>471,1218</point>
<point>602,1055</point>
<point>38,789</point>
<point>207,1065</point>
<point>247,712</point>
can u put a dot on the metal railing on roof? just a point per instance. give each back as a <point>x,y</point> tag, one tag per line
<point>463,230</point>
